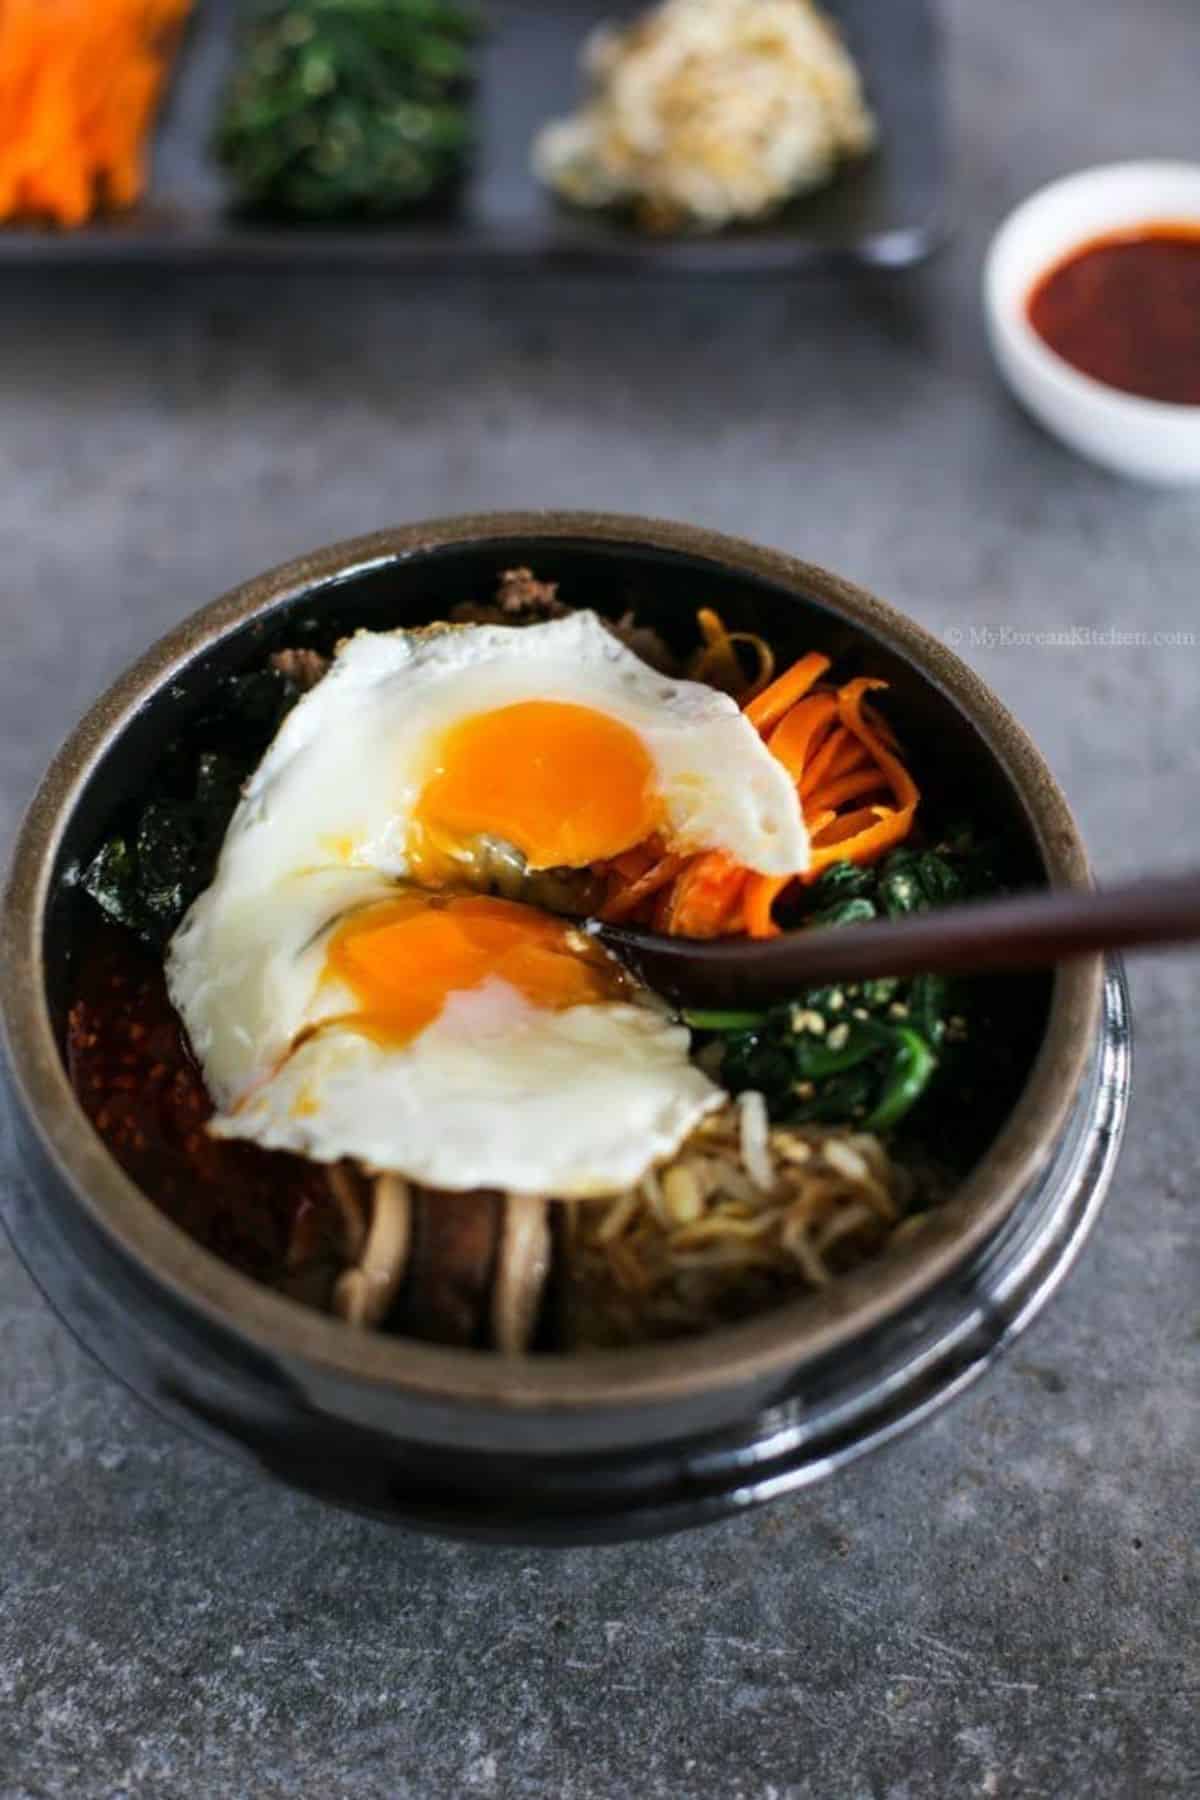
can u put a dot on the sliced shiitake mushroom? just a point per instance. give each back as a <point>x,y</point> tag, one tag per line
<point>446,1296</point>
<point>467,1269</point>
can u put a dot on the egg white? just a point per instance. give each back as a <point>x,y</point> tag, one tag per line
<point>580,1101</point>
<point>494,1093</point>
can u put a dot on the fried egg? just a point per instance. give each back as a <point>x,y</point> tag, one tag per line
<point>470,1042</point>
<point>339,1007</point>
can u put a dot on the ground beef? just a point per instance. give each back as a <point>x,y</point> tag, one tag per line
<point>520,600</point>
<point>523,600</point>
<point>304,668</point>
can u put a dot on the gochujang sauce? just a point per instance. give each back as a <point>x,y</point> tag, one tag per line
<point>1125,309</point>
<point>135,1076</point>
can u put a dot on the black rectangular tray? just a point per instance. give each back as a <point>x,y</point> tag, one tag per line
<point>886,212</point>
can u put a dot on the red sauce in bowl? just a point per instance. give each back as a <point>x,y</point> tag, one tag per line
<point>134,1074</point>
<point>1125,309</point>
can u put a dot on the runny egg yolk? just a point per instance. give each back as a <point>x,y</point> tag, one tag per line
<point>565,785</point>
<point>404,958</point>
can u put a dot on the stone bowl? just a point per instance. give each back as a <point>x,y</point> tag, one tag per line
<point>548,1447</point>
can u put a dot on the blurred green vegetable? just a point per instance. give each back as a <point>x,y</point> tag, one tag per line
<point>348,108</point>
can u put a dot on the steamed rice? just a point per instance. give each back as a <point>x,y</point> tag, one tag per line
<point>706,111</point>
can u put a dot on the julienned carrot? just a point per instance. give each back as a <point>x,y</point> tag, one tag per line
<point>762,891</point>
<point>80,82</point>
<point>783,693</point>
<point>835,793</point>
<point>632,864</point>
<point>865,835</point>
<point>717,662</point>
<point>886,830</point>
<point>842,756</point>
<point>705,900</point>
<point>624,902</point>
<point>839,754</point>
<point>794,738</point>
<point>634,876</point>
<point>840,829</point>
<point>874,740</point>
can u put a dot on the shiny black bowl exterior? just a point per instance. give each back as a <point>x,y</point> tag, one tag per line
<point>216,1386</point>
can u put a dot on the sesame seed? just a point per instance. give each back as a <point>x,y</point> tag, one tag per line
<point>806,1019</point>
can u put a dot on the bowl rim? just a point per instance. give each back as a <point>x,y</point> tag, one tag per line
<point>769,1347</point>
<point>1010,275</point>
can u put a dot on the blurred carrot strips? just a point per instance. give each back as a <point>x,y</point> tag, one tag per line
<point>80,83</point>
<point>859,801</point>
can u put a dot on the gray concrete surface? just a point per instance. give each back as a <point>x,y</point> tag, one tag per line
<point>1004,1605</point>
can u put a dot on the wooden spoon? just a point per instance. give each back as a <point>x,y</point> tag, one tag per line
<point>1019,931</point>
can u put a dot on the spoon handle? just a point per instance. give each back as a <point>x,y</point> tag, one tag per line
<point>1017,931</point>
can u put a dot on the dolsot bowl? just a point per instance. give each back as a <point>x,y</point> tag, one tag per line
<point>552,1448</point>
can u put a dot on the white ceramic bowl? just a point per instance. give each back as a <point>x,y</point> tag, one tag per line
<point>1148,439</point>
